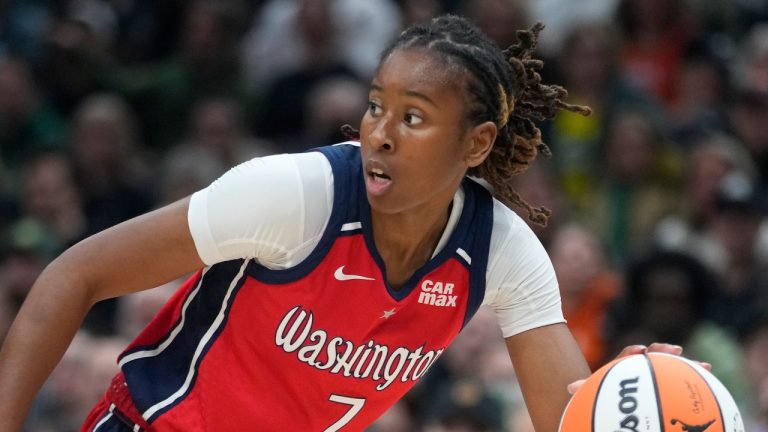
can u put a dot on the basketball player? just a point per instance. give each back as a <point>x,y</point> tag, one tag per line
<point>331,280</point>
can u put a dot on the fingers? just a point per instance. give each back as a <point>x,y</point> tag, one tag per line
<point>575,386</point>
<point>665,348</point>
<point>662,348</point>
<point>632,349</point>
<point>642,349</point>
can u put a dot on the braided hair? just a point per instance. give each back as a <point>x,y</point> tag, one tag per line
<point>503,87</point>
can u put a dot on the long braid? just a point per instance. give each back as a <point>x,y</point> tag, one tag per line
<point>502,86</point>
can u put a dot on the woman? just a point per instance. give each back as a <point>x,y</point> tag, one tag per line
<point>332,279</point>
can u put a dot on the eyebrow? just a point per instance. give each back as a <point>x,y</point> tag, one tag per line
<point>411,93</point>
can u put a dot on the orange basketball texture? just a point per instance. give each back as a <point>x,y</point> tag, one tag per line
<point>652,393</point>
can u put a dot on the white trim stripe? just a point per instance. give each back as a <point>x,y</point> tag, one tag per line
<point>462,253</point>
<point>351,226</point>
<point>175,332</point>
<point>102,421</point>
<point>200,346</point>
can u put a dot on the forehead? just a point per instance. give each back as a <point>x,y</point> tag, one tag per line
<point>420,70</point>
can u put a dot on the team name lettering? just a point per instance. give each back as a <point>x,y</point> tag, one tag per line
<point>628,404</point>
<point>437,294</point>
<point>337,355</point>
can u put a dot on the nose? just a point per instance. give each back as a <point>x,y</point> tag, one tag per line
<point>381,136</point>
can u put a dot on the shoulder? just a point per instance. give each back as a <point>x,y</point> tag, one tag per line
<point>508,227</point>
<point>516,256</point>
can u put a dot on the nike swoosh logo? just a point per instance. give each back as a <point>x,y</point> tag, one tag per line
<point>340,275</point>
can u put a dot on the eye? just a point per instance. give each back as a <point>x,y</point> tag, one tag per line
<point>412,119</point>
<point>374,108</point>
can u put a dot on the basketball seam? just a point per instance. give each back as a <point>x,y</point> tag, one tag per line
<point>655,391</point>
<point>712,391</point>
<point>597,393</point>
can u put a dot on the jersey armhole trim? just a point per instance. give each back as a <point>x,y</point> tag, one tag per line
<point>198,225</point>
<point>338,157</point>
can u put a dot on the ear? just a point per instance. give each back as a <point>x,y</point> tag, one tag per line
<point>481,139</point>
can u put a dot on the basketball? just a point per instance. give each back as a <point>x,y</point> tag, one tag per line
<point>652,393</point>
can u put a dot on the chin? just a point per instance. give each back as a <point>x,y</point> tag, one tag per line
<point>386,204</point>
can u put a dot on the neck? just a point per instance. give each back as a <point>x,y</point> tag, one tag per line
<point>407,241</point>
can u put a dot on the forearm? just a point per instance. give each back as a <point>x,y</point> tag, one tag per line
<point>138,254</point>
<point>546,360</point>
<point>38,338</point>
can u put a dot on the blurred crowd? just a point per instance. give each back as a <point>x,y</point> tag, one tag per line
<point>110,108</point>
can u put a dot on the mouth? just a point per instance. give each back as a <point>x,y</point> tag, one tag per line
<point>377,181</point>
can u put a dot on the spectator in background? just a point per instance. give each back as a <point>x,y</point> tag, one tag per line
<point>111,164</point>
<point>80,23</point>
<point>477,393</point>
<point>185,173</point>
<point>136,310</point>
<point>710,158</point>
<point>703,86</point>
<point>28,124</point>
<point>50,195</point>
<point>461,370</point>
<point>539,185</point>
<point>740,209</point>
<point>23,28</point>
<point>26,250</point>
<point>73,387</point>
<point>59,406</point>
<point>499,19</point>
<point>288,35</point>
<point>322,30</point>
<point>465,407</point>
<point>665,299</point>
<point>284,102</point>
<point>639,186</point>
<point>754,66</point>
<point>562,17</point>
<point>748,114</point>
<point>419,11</point>
<point>753,337</point>
<point>588,65</point>
<point>655,34</point>
<point>217,129</point>
<point>162,92</point>
<point>396,419</point>
<point>332,102</point>
<point>588,285</point>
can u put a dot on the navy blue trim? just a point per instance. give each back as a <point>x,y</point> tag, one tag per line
<point>153,379</point>
<point>472,232</point>
<point>346,167</point>
<point>482,222</point>
<point>350,232</point>
<point>167,334</point>
<point>115,423</point>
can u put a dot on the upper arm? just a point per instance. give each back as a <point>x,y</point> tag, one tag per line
<point>521,286</point>
<point>138,254</point>
<point>273,209</point>
<point>523,292</point>
<point>546,360</point>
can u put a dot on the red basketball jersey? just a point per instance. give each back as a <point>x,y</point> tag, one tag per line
<point>324,346</point>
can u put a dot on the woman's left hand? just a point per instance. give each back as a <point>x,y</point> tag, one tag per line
<point>642,349</point>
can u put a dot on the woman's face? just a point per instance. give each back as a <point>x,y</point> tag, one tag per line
<point>414,141</point>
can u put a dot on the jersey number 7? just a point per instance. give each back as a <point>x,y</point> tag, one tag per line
<point>356,404</point>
